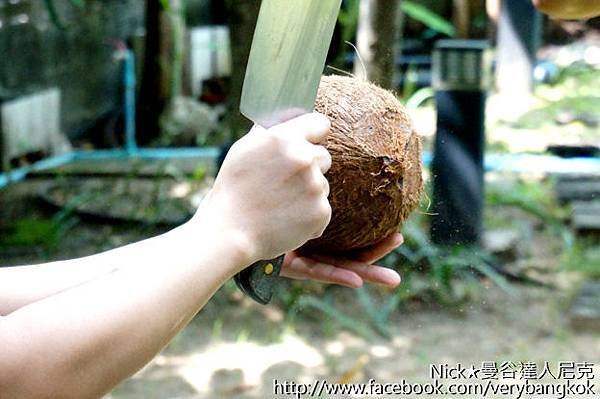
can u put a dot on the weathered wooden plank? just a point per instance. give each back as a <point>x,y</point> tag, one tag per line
<point>586,215</point>
<point>163,201</point>
<point>585,312</point>
<point>578,188</point>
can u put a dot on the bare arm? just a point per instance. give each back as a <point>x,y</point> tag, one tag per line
<point>270,197</point>
<point>83,341</point>
<point>20,286</point>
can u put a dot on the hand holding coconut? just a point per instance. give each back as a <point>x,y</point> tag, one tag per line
<point>270,197</point>
<point>271,193</point>
<point>375,181</point>
<point>351,273</point>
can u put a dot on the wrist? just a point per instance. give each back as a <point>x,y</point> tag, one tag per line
<point>232,247</point>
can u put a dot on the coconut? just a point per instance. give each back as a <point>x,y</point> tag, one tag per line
<point>375,176</point>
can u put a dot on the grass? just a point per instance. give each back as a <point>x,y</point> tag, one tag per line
<point>583,258</point>
<point>42,233</point>
<point>448,276</point>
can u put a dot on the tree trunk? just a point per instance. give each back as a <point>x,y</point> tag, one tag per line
<point>152,99</point>
<point>470,18</point>
<point>162,65</point>
<point>242,16</point>
<point>461,18</point>
<point>173,48</point>
<point>378,40</point>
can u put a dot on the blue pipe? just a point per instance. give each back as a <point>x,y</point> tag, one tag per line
<point>537,163</point>
<point>19,174</point>
<point>131,150</point>
<point>16,175</point>
<point>149,153</point>
<point>519,163</point>
<point>129,103</point>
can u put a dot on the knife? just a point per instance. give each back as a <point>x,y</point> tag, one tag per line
<point>284,69</point>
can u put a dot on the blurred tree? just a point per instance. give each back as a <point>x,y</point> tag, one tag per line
<point>378,40</point>
<point>470,18</point>
<point>152,98</point>
<point>242,16</point>
<point>461,18</point>
<point>163,64</point>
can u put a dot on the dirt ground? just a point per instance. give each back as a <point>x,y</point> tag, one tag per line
<point>235,348</point>
<point>529,326</point>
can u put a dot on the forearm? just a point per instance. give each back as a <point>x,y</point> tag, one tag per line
<point>105,329</point>
<point>22,285</point>
<point>81,341</point>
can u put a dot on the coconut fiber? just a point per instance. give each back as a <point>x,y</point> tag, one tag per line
<point>375,177</point>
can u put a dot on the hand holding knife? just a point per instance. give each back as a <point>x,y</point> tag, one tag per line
<point>286,61</point>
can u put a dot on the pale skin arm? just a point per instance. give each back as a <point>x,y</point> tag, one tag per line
<point>20,286</point>
<point>83,340</point>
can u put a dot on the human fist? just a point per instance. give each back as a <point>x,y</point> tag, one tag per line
<point>271,192</point>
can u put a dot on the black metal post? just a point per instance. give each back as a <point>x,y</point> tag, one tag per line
<point>460,76</point>
<point>3,161</point>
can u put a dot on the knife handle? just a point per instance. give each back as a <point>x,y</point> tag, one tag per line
<point>259,279</point>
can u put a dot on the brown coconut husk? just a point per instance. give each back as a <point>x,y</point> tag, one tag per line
<point>375,177</point>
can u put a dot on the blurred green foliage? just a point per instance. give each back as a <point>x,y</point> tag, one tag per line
<point>584,258</point>
<point>427,17</point>
<point>53,12</point>
<point>448,276</point>
<point>575,97</point>
<point>44,234</point>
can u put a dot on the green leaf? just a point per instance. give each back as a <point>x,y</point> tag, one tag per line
<point>372,311</point>
<point>350,323</point>
<point>166,5</point>
<point>53,14</point>
<point>428,18</point>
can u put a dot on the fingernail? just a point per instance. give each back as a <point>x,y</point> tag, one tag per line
<point>398,240</point>
<point>322,118</point>
<point>393,278</point>
<point>357,283</point>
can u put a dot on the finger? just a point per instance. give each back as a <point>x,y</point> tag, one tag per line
<point>299,148</point>
<point>301,268</point>
<point>321,180</point>
<point>313,127</point>
<point>325,184</point>
<point>371,273</point>
<point>377,251</point>
<point>323,158</point>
